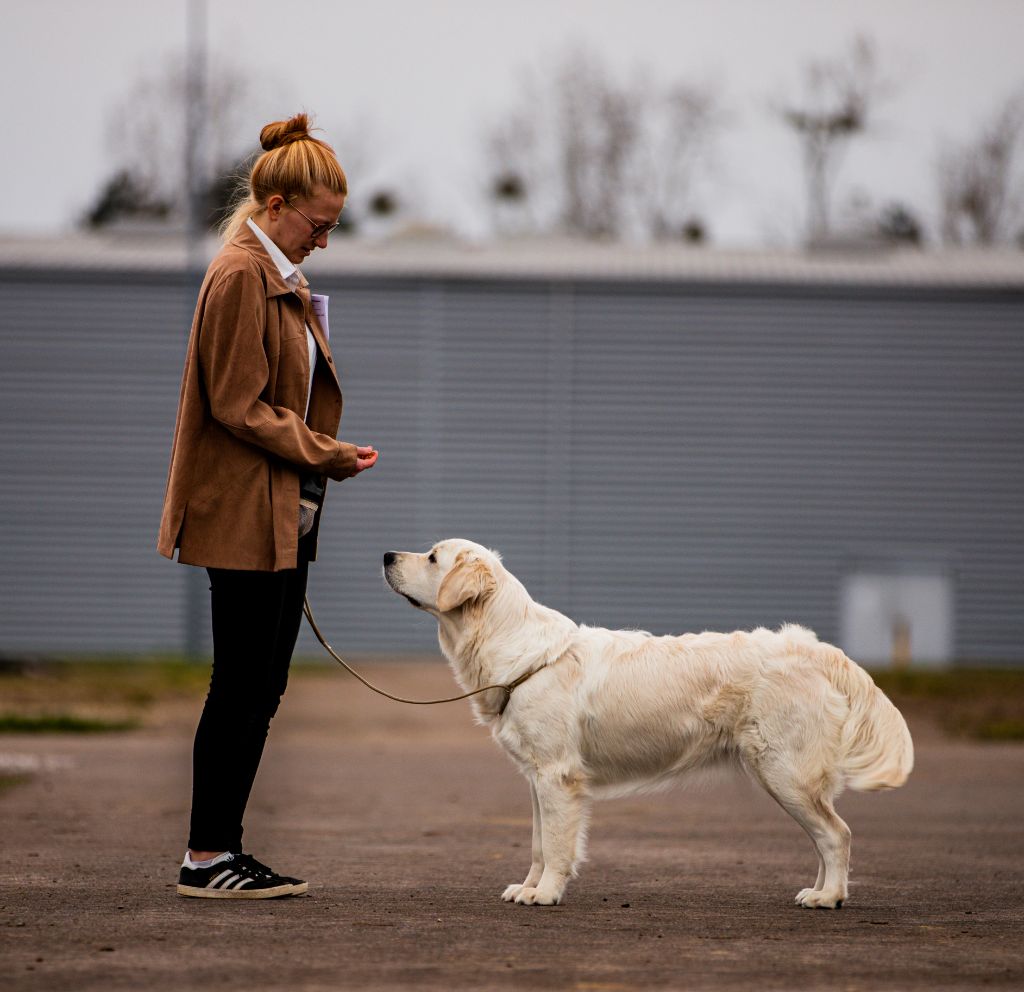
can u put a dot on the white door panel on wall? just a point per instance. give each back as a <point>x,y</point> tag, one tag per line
<point>898,618</point>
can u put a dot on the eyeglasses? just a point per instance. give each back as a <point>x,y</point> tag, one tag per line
<point>319,230</point>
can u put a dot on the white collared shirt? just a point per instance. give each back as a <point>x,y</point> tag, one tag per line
<point>291,275</point>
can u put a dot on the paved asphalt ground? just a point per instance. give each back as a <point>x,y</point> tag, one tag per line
<point>409,823</point>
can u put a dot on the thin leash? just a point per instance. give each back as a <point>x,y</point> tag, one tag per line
<point>508,687</point>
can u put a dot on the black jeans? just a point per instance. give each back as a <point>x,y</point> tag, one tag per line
<point>256,618</point>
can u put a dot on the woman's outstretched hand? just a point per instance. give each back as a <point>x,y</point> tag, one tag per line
<point>366,457</point>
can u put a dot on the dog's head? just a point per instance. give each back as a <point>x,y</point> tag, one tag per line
<point>450,576</point>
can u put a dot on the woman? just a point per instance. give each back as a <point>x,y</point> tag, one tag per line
<point>253,447</point>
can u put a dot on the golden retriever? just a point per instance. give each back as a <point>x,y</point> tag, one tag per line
<point>605,712</point>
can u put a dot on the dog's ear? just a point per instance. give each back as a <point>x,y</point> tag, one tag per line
<point>470,578</point>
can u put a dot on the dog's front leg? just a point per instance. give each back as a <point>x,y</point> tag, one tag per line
<point>537,865</point>
<point>561,805</point>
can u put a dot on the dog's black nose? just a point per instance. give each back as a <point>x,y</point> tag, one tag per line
<point>389,557</point>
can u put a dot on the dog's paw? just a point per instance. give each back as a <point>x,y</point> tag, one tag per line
<point>511,892</point>
<point>819,899</point>
<point>529,896</point>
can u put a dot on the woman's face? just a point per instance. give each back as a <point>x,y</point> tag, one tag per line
<point>299,226</point>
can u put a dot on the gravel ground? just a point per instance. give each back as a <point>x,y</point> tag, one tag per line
<point>409,823</point>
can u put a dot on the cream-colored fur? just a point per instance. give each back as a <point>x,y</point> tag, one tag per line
<point>612,711</point>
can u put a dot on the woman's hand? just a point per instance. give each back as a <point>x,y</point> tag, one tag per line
<point>366,457</point>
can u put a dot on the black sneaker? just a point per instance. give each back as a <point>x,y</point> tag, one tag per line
<point>238,876</point>
<point>247,859</point>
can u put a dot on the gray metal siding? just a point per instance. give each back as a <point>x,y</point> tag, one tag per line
<point>86,380</point>
<point>773,441</point>
<point>665,456</point>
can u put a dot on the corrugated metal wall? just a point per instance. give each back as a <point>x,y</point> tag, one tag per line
<point>667,456</point>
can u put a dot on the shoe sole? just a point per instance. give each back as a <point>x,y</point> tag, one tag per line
<point>274,893</point>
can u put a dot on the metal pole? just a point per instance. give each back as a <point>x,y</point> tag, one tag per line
<point>196,171</point>
<point>196,178</point>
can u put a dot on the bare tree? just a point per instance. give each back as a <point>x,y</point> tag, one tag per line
<point>837,104</point>
<point>521,152</point>
<point>681,126</point>
<point>147,134</point>
<point>596,158</point>
<point>981,181</point>
<point>599,124</point>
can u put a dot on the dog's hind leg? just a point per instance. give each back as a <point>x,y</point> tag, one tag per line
<point>562,803</point>
<point>537,865</point>
<point>811,807</point>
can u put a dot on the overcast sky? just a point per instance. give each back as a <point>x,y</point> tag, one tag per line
<point>421,80</point>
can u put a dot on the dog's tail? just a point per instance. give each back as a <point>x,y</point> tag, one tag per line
<point>876,749</point>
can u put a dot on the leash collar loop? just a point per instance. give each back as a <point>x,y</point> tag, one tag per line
<point>507,687</point>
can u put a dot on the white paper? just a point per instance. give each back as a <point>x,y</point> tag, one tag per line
<point>319,304</point>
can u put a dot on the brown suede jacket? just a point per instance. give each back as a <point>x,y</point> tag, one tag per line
<point>240,441</point>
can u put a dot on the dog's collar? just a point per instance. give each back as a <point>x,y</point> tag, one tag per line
<point>514,685</point>
<point>533,671</point>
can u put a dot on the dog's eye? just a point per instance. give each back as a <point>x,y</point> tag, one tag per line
<point>432,558</point>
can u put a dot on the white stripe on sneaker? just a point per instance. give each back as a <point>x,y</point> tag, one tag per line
<point>215,882</point>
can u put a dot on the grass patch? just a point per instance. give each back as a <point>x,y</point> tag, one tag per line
<point>982,704</point>
<point>60,723</point>
<point>1000,730</point>
<point>92,697</point>
<point>8,782</point>
<point>951,683</point>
